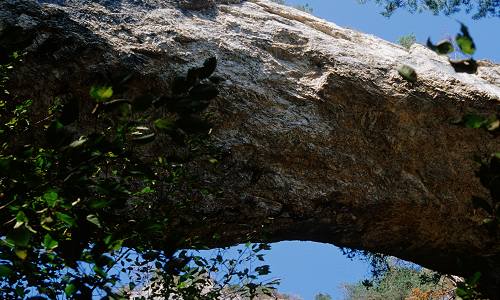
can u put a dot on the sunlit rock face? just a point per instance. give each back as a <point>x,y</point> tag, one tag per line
<point>322,139</point>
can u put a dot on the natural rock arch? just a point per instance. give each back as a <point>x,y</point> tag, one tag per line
<point>322,140</point>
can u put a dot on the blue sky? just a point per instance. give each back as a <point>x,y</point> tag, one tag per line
<point>307,268</point>
<point>366,18</point>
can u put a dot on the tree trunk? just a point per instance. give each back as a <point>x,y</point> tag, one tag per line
<point>321,138</point>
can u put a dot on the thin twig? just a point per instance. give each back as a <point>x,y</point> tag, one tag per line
<point>44,119</point>
<point>7,204</point>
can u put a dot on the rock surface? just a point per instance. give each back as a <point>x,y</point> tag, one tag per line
<point>323,140</point>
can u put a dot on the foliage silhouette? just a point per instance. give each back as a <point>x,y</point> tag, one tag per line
<point>61,198</point>
<point>481,8</point>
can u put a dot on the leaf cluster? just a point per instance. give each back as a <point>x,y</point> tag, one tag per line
<point>464,43</point>
<point>481,8</point>
<point>64,195</point>
<point>396,282</point>
<point>467,290</point>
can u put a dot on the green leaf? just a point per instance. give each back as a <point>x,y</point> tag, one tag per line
<point>20,219</point>
<point>105,260</point>
<point>108,239</point>
<point>164,123</point>
<point>488,221</point>
<point>444,47</point>
<point>464,66</point>
<point>99,203</point>
<point>199,263</point>
<point>146,190</point>
<point>20,237</point>
<point>144,139</point>
<point>474,279</point>
<point>49,243</point>
<point>101,93</point>
<point>461,292</point>
<point>5,164</point>
<point>21,292</point>
<point>120,104</point>
<point>116,245</point>
<point>263,270</point>
<point>408,73</point>
<point>21,253</point>
<point>56,126</point>
<point>264,246</point>
<point>474,121</point>
<point>142,135</point>
<point>99,271</point>
<point>78,142</point>
<point>154,228</point>
<point>111,243</point>
<point>30,228</point>
<point>66,219</point>
<point>5,271</point>
<point>94,220</point>
<point>51,198</point>
<point>464,41</point>
<point>70,289</point>
<point>465,44</point>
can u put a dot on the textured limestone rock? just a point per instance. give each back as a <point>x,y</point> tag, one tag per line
<point>323,139</point>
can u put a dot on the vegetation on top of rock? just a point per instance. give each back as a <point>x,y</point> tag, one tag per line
<point>407,40</point>
<point>403,281</point>
<point>303,7</point>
